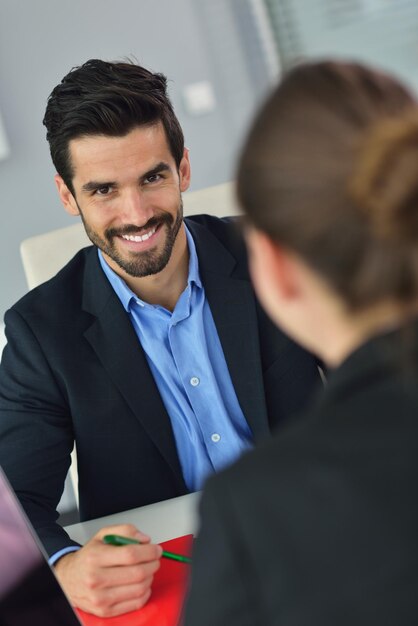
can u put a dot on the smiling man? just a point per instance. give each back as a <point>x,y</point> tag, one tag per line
<point>148,350</point>
<point>127,191</point>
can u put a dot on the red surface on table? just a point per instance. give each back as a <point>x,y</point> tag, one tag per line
<point>168,592</point>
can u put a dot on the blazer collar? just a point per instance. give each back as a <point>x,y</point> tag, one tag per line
<point>116,345</point>
<point>234,310</point>
<point>392,353</point>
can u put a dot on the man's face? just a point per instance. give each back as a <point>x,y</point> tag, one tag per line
<point>128,193</point>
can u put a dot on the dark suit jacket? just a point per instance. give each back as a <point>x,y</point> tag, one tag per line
<point>74,369</point>
<point>319,527</point>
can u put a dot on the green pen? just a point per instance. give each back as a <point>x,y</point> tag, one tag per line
<point>118,540</point>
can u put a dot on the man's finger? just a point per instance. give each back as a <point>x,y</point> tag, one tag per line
<point>125,530</point>
<point>110,556</point>
<point>125,606</point>
<point>128,575</point>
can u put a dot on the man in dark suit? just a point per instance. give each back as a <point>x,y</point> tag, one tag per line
<point>148,349</point>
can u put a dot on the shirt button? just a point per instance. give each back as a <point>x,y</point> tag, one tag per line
<point>194,381</point>
<point>215,437</point>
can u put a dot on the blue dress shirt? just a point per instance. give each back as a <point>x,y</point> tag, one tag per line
<point>187,361</point>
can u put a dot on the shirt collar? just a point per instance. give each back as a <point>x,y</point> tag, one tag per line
<point>126,295</point>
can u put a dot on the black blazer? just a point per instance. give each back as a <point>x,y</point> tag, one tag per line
<point>319,527</point>
<point>73,369</point>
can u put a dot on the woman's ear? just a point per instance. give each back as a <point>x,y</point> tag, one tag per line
<point>273,267</point>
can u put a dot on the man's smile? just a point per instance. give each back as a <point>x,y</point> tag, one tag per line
<point>138,238</point>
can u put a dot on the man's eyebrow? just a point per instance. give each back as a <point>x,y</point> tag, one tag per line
<point>94,185</point>
<point>161,167</point>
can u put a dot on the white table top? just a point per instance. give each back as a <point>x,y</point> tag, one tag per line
<point>161,521</point>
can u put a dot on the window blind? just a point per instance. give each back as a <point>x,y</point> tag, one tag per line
<point>380,32</point>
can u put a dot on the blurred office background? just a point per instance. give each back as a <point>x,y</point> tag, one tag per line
<point>221,57</point>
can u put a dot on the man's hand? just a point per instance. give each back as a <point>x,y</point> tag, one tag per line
<point>109,580</point>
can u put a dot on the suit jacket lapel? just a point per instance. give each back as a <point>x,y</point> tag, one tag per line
<point>231,299</point>
<point>113,339</point>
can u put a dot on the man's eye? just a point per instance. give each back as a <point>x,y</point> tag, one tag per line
<point>152,179</point>
<point>103,191</point>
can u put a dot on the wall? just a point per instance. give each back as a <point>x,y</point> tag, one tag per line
<point>188,40</point>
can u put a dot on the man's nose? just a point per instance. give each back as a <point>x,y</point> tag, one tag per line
<point>136,209</point>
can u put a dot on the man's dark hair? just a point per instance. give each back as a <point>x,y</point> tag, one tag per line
<point>103,98</point>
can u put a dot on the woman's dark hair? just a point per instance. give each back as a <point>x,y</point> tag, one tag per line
<point>102,98</point>
<point>330,170</point>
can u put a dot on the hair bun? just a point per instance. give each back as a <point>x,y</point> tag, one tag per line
<point>385,181</point>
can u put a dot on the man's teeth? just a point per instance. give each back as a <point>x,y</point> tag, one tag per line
<point>138,238</point>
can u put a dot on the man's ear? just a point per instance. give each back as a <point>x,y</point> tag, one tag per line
<point>184,171</point>
<point>66,196</point>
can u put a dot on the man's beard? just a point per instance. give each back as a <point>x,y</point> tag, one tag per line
<point>140,264</point>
